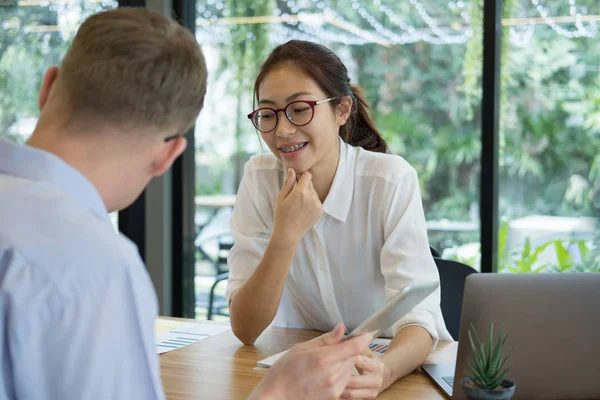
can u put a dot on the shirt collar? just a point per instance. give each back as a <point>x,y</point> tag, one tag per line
<point>338,201</point>
<point>40,166</point>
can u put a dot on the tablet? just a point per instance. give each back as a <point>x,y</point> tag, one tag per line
<point>396,307</point>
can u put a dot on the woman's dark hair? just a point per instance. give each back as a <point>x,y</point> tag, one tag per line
<point>322,65</point>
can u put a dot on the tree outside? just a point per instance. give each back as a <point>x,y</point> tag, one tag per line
<point>34,36</point>
<point>426,96</point>
<point>420,63</point>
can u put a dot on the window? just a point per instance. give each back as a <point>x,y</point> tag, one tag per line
<point>34,35</point>
<point>419,64</point>
<point>550,138</point>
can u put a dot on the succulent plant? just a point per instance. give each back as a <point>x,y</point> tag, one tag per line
<point>487,364</point>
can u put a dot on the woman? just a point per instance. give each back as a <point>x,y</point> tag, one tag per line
<point>330,226</point>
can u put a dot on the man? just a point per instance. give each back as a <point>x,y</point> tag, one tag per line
<point>77,307</point>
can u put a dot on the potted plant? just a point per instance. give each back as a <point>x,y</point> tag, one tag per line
<point>485,379</point>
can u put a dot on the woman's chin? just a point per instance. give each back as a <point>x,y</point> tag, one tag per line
<point>297,167</point>
<point>299,171</point>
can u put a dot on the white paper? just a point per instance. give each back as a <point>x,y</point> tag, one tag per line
<point>185,334</point>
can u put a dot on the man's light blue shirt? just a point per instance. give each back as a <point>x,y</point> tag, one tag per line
<point>77,307</point>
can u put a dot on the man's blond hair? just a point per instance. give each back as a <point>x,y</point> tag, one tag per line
<point>133,67</point>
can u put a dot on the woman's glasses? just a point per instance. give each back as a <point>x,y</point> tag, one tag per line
<point>299,113</point>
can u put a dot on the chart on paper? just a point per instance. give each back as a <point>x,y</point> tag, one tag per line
<point>379,346</point>
<point>171,335</point>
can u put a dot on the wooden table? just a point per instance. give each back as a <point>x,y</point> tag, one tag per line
<point>221,368</point>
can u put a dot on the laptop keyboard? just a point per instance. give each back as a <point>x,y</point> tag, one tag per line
<point>449,380</point>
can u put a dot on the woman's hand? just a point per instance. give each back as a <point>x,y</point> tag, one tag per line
<point>297,209</point>
<point>370,382</point>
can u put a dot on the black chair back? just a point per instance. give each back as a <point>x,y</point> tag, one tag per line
<point>452,284</point>
<point>434,252</point>
<point>217,305</point>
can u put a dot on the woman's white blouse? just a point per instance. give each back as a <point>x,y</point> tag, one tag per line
<point>370,242</point>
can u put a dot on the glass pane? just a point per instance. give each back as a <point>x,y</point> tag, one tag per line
<point>419,63</point>
<point>550,138</point>
<point>34,35</point>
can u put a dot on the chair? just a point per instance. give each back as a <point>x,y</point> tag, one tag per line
<point>435,252</point>
<point>212,308</point>
<point>452,285</point>
<point>216,304</point>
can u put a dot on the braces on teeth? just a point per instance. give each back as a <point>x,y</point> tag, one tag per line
<point>293,148</point>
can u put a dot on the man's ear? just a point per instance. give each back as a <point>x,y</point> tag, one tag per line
<point>344,110</point>
<point>47,85</point>
<point>172,150</point>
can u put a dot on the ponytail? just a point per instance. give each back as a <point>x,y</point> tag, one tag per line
<point>360,130</point>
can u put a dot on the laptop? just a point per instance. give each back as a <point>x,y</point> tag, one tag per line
<point>553,327</point>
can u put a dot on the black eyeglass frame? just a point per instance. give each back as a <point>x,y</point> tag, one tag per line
<point>310,103</point>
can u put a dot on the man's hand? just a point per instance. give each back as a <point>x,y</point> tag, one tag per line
<point>317,370</point>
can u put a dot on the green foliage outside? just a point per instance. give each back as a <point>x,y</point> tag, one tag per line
<point>26,50</point>
<point>427,105</point>
<point>426,100</point>
<point>554,255</point>
<point>242,61</point>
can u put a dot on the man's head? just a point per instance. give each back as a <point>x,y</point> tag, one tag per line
<point>131,79</point>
